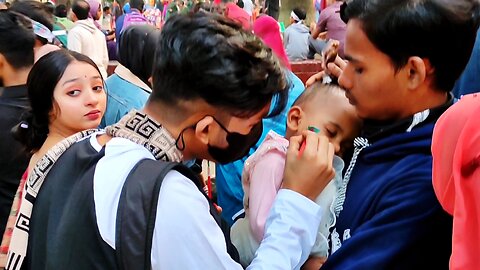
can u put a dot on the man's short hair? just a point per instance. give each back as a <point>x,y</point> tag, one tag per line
<point>106,8</point>
<point>81,8</point>
<point>49,7</point>
<point>442,31</point>
<point>206,56</point>
<point>35,10</point>
<point>17,39</point>
<point>138,4</point>
<point>61,11</point>
<point>300,12</point>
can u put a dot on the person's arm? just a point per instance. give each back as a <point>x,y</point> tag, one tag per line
<point>266,178</point>
<point>187,237</point>
<point>321,24</point>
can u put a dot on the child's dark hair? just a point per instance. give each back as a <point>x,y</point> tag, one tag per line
<point>32,131</point>
<point>318,88</point>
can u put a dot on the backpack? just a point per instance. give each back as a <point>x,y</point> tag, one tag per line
<point>134,213</point>
<point>133,18</point>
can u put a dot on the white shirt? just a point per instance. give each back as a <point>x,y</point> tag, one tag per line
<point>86,39</point>
<point>248,7</point>
<point>186,236</point>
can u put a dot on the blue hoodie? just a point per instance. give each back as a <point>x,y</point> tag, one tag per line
<point>391,218</point>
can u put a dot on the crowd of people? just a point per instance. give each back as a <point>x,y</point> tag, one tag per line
<point>370,164</point>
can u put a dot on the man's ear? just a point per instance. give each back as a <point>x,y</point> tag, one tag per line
<point>202,129</point>
<point>418,70</point>
<point>294,118</point>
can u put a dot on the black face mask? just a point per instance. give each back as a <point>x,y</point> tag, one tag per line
<point>238,144</point>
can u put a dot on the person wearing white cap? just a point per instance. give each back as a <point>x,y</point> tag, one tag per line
<point>295,38</point>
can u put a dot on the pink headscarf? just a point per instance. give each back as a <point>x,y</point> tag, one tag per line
<point>456,177</point>
<point>267,28</point>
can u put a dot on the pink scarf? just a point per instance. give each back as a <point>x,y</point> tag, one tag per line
<point>267,28</point>
<point>456,177</point>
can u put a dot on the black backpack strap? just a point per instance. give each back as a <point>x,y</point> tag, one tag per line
<point>136,213</point>
<point>137,210</point>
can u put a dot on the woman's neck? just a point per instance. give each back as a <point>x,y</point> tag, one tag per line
<point>51,141</point>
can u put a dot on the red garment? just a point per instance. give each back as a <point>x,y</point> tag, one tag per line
<point>239,15</point>
<point>267,28</point>
<point>456,177</point>
<point>324,4</point>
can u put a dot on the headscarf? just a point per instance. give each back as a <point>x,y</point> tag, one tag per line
<point>94,6</point>
<point>456,175</point>
<point>267,29</point>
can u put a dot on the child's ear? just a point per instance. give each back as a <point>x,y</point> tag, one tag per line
<point>294,118</point>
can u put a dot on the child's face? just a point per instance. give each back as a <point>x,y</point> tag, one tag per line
<point>336,118</point>
<point>79,99</point>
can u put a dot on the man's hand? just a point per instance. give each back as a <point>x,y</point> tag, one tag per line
<point>334,69</point>
<point>310,172</point>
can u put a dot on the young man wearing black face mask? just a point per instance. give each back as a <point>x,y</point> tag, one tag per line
<point>97,209</point>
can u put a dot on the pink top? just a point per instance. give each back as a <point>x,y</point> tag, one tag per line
<point>456,177</point>
<point>264,183</point>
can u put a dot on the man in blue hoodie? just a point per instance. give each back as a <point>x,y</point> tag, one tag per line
<point>398,74</point>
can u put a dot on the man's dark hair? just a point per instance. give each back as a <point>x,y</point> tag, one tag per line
<point>34,10</point>
<point>49,7</point>
<point>17,39</point>
<point>240,4</point>
<point>206,56</point>
<point>137,4</point>
<point>61,11</point>
<point>300,12</point>
<point>106,8</point>
<point>81,8</point>
<point>442,31</point>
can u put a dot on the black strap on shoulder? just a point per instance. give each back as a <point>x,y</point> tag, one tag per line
<point>136,213</point>
<point>137,210</point>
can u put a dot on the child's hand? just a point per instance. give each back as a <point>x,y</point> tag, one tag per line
<point>314,263</point>
<point>310,172</point>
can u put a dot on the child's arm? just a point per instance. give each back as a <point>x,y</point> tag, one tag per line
<point>265,181</point>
